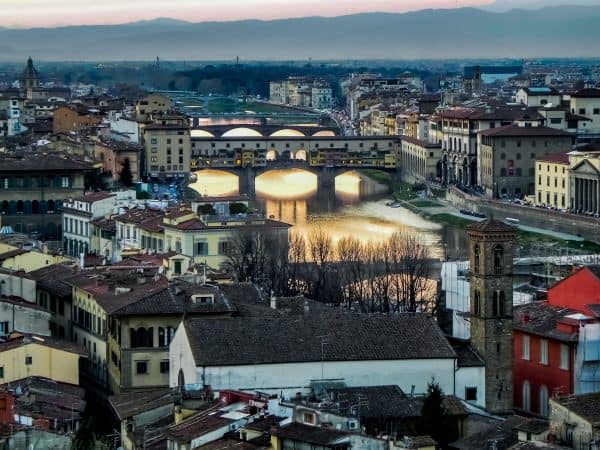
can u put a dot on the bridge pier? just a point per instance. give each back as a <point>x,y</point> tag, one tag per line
<point>246,181</point>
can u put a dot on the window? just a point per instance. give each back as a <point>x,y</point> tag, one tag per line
<point>526,396</point>
<point>471,394</point>
<point>308,418</point>
<point>4,328</point>
<point>28,360</point>
<point>543,351</point>
<point>477,303</point>
<point>582,111</point>
<point>544,401</point>
<point>201,248</point>
<point>164,366</point>
<point>1,371</point>
<point>476,255</point>
<point>222,247</point>
<point>141,367</point>
<point>65,182</point>
<point>525,350</point>
<point>596,111</point>
<point>498,259</point>
<point>564,356</point>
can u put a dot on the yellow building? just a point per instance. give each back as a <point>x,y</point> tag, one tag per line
<point>168,147</point>
<point>205,239</point>
<point>552,181</point>
<point>24,356</point>
<point>15,258</point>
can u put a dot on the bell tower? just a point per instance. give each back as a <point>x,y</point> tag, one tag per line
<point>491,293</point>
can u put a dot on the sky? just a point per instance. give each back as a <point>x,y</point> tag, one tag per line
<point>51,13</point>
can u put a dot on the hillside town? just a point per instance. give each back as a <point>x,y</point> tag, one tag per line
<point>141,310</point>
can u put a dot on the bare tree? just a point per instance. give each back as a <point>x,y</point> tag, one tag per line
<point>297,263</point>
<point>322,283</point>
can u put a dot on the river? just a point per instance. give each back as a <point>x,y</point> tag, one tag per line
<point>291,195</point>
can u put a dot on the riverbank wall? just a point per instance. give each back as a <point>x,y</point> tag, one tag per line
<point>586,227</point>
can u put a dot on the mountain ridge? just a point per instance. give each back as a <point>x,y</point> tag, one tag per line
<point>425,34</point>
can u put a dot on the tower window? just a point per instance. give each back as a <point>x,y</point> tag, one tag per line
<point>476,254</point>
<point>498,259</point>
<point>498,304</point>
<point>477,303</point>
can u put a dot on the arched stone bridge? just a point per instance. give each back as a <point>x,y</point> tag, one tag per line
<point>263,130</point>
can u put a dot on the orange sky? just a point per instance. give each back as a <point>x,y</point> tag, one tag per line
<point>48,13</point>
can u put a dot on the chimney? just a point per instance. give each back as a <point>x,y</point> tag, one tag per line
<point>82,261</point>
<point>306,307</point>
<point>273,302</point>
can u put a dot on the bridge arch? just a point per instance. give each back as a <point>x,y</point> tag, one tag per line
<point>324,133</point>
<point>215,182</point>
<point>287,132</point>
<point>242,132</point>
<point>201,133</point>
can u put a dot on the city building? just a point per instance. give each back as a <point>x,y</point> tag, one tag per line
<point>24,355</point>
<point>507,157</point>
<point>301,92</point>
<point>575,419</point>
<point>33,189</point>
<point>77,214</point>
<point>75,118</point>
<point>552,181</point>
<point>538,96</point>
<point>116,155</point>
<point>586,103</point>
<point>17,314</point>
<point>420,160</point>
<point>556,342</point>
<point>141,329</point>
<point>150,105</point>
<point>491,295</point>
<point>167,147</point>
<point>309,342</point>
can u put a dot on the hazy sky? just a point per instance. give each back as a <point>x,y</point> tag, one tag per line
<point>34,13</point>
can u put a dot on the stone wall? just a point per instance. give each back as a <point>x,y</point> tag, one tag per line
<point>586,227</point>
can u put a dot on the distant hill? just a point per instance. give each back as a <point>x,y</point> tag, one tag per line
<point>449,33</point>
<point>506,5</point>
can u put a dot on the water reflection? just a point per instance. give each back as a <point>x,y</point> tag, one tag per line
<point>215,183</point>
<point>293,196</point>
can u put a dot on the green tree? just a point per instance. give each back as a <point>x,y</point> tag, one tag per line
<point>237,208</point>
<point>435,420</point>
<point>126,177</point>
<point>207,209</point>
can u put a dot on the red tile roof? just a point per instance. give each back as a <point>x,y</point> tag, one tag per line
<point>560,158</point>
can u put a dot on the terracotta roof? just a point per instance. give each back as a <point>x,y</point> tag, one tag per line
<point>177,299</point>
<point>264,337</point>
<point>540,318</point>
<point>491,226</point>
<point>42,162</point>
<point>462,113</point>
<point>559,158</point>
<point>312,435</point>
<point>197,425</point>
<point>467,356</point>
<point>188,225</point>
<point>420,142</point>
<point>517,131</point>
<point>535,426</point>
<point>587,93</point>
<point>91,197</point>
<point>586,406</point>
<point>131,403</point>
<point>46,341</point>
<point>51,279</point>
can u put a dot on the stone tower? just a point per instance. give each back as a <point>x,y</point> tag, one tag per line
<point>30,78</point>
<point>491,293</point>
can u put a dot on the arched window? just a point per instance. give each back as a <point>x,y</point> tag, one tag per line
<point>20,206</point>
<point>5,207</point>
<point>498,304</point>
<point>544,401</point>
<point>476,256</point>
<point>142,337</point>
<point>526,396</point>
<point>477,303</point>
<point>498,259</point>
<point>35,207</point>
<point>165,336</point>
<point>50,206</point>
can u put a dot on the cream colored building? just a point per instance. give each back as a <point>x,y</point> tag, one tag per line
<point>14,258</point>
<point>574,419</point>
<point>587,103</point>
<point>552,181</point>
<point>420,160</point>
<point>167,144</point>
<point>25,356</point>
<point>152,104</point>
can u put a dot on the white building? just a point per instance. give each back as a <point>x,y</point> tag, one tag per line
<point>284,350</point>
<point>586,103</point>
<point>538,96</point>
<point>78,212</point>
<point>20,315</point>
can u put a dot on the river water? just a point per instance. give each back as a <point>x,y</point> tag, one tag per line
<point>291,195</point>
